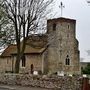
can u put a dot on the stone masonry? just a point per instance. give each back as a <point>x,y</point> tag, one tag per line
<point>63,52</point>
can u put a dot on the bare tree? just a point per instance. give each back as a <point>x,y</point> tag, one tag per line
<point>26,16</point>
<point>6,29</point>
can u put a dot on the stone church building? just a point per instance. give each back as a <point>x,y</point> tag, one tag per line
<point>57,50</point>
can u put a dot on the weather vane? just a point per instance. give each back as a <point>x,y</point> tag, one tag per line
<point>61,6</point>
<point>88,1</point>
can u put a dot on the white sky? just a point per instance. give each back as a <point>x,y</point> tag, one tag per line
<point>79,10</point>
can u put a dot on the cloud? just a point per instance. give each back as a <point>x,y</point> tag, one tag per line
<point>82,59</point>
<point>88,52</point>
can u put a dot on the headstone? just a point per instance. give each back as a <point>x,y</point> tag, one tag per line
<point>60,73</point>
<point>35,73</point>
<point>84,75</point>
<point>70,75</point>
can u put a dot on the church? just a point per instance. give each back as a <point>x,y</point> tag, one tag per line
<point>56,50</point>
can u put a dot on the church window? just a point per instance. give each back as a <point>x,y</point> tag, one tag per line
<point>54,27</point>
<point>67,35</point>
<point>68,26</point>
<point>67,61</point>
<point>23,61</point>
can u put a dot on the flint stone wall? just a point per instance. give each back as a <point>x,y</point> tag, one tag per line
<point>53,82</point>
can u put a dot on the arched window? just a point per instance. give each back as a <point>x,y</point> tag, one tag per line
<point>67,61</point>
<point>68,26</point>
<point>23,61</point>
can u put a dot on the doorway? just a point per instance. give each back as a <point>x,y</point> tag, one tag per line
<point>32,68</point>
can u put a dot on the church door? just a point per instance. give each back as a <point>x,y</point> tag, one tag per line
<point>32,68</point>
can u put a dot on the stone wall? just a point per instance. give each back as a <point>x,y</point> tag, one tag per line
<point>53,82</point>
<point>5,64</point>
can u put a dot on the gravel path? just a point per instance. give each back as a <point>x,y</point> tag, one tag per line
<point>3,87</point>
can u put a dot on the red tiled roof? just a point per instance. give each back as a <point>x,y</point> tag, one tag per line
<point>8,51</point>
<point>12,49</point>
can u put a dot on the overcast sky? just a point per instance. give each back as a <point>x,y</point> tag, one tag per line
<point>79,10</point>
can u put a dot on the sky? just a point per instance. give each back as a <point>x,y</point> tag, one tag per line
<point>79,10</point>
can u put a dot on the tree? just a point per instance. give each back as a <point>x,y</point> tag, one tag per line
<point>26,16</point>
<point>87,69</point>
<point>6,29</point>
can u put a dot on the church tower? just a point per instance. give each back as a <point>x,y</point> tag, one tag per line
<point>63,52</point>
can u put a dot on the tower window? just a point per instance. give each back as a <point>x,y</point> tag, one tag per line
<point>23,61</point>
<point>68,26</point>
<point>67,61</point>
<point>54,27</point>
